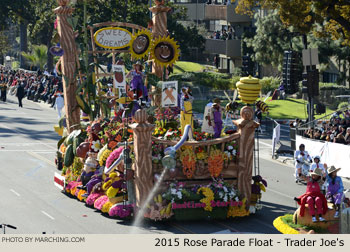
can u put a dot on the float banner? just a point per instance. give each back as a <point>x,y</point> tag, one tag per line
<point>118,76</point>
<point>275,137</point>
<point>330,153</point>
<point>59,181</point>
<point>169,94</point>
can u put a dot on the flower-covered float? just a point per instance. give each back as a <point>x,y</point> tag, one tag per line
<point>116,165</point>
<point>211,177</point>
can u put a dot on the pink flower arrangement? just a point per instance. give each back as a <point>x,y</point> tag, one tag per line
<point>71,185</point>
<point>100,202</point>
<point>114,156</point>
<point>121,211</point>
<point>90,200</point>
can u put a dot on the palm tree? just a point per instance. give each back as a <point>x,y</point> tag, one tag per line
<point>37,57</point>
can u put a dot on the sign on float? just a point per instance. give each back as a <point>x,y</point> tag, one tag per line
<point>112,38</point>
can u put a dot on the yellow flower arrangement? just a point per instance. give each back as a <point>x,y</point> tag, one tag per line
<point>159,131</point>
<point>283,227</point>
<point>106,207</point>
<point>73,190</point>
<point>104,157</point>
<point>112,192</point>
<point>238,211</point>
<point>80,195</point>
<point>201,154</point>
<point>209,197</point>
<point>114,175</point>
<point>106,185</point>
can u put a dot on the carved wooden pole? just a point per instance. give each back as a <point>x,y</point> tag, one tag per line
<point>68,64</point>
<point>246,127</point>
<point>159,28</point>
<point>143,156</point>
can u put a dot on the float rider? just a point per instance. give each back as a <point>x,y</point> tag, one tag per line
<point>216,117</point>
<point>313,196</point>
<point>317,165</point>
<point>335,189</point>
<point>301,158</point>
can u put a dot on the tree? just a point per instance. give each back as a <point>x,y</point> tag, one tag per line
<point>334,15</point>
<point>270,41</point>
<point>272,38</point>
<point>20,11</point>
<point>42,29</point>
<point>38,56</point>
<point>4,46</point>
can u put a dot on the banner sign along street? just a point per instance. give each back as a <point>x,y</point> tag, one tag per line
<point>112,38</point>
<point>275,137</point>
<point>169,94</point>
<point>331,153</point>
<point>118,76</point>
<point>59,181</point>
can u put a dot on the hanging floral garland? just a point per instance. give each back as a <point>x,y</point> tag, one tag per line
<point>216,162</point>
<point>188,159</point>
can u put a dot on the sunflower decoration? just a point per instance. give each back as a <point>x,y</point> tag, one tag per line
<point>140,44</point>
<point>165,51</point>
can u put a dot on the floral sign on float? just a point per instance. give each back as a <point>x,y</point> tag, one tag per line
<point>112,38</point>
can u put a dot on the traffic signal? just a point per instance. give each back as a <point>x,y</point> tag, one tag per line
<point>311,82</point>
<point>315,82</point>
<point>291,71</point>
<point>320,109</point>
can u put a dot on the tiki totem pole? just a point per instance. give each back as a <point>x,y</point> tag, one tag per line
<point>159,28</point>
<point>68,64</point>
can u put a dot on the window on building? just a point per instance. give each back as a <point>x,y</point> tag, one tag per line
<point>330,77</point>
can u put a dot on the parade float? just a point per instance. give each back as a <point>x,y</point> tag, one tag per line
<point>152,164</point>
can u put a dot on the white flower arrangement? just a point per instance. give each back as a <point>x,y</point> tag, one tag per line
<point>96,145</point>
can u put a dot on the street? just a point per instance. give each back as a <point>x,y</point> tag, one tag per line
<point>31,202</point>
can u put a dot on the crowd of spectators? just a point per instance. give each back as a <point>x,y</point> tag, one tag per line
<point>223,34</point>
<point>38,86</point>
<point>221,2</point>
<point>336,130</point>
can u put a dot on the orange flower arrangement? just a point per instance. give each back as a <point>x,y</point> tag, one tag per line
<point>216,162</point>
<point>189,166</point>
<point>188,159</point>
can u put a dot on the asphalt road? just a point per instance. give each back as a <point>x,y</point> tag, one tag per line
<point>30,201</point>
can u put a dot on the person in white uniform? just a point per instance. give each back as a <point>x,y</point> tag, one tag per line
<point>317,164</point>
<point>323,167</point>
<point>302,160</point>
<point>59,104</point>
<point>205,126</point>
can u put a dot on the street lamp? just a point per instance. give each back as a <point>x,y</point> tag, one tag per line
<point>7,225</point>
<point>197,13</point>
